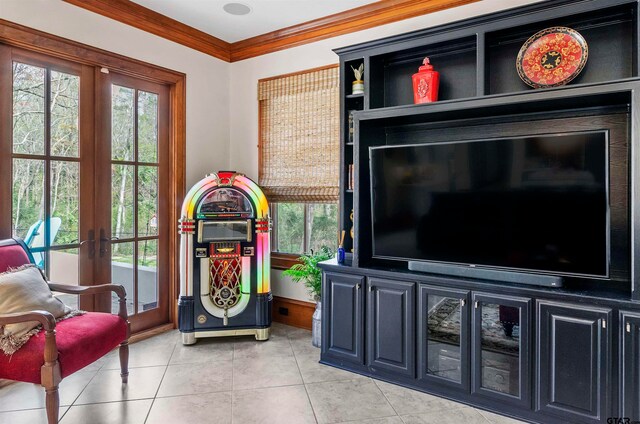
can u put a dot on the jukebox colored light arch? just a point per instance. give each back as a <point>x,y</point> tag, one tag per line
<point>262,212</point>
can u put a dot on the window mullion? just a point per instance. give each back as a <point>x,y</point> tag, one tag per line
<point>274,229</point>
<point>47,170</point>
<point>307,241</point>
<point>136,186</point>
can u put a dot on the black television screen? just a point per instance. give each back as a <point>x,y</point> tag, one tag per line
<point>530,203</point>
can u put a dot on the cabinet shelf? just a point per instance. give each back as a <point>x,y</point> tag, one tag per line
<point>354,96</point>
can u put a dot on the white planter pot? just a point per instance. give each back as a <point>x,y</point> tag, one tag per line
<point>316,328</point>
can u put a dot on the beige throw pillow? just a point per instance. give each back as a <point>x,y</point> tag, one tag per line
<point>24,289</point>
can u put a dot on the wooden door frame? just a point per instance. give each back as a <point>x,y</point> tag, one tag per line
<point>16,35</point>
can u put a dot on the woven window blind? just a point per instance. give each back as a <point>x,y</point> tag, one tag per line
<point>300,136</point>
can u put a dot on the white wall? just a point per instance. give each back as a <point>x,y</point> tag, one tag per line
<point>207,77</point>
<point>245,76</point>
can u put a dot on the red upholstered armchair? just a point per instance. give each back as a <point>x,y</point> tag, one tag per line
<point>63,348</point>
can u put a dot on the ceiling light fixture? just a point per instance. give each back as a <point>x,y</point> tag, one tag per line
<point>237,9</point>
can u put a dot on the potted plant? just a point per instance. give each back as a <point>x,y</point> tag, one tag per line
<point>307,272</point>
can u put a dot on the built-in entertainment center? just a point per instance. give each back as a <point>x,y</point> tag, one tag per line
<point>493,259</point>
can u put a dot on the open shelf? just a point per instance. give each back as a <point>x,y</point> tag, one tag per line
<point>609,34</point>
<point>390,73</point>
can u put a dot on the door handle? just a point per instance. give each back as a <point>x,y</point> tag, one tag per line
<point>92,243</point>
<point>104,240</point>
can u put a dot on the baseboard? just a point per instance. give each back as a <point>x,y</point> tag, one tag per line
<point>298,313</point>
<point>137,337</point>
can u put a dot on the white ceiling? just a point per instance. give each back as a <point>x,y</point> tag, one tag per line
<point>265,16</point>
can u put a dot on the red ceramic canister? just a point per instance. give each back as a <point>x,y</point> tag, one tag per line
<point>425,83</point>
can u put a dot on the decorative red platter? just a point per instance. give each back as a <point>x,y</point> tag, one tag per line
<point>552,57</point>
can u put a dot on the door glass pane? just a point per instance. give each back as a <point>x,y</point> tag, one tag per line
<point>443,337</point>
<point>290,227</point>
<point>500,346</point>
<point>122,205</point>
<point>323,226</point>
<point>122,260</point>
<point>64,202</point>
<point>28,201</point>
<point>147,201</point>
<point>65,99</point>
<point>122,123</point>
<point>64,268</point>
<point>28,109</point>
<point>147,275</point>
<point>147,127</point>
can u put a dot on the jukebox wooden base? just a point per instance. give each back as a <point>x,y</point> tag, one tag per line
<point>195,322</point>
<point>261,334</point>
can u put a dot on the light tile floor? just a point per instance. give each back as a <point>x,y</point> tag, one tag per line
<point>232,380</point>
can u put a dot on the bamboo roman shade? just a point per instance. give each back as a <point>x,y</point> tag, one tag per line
<point>300,136</point>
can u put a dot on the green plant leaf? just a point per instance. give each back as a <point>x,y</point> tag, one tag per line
<point>307,271</point>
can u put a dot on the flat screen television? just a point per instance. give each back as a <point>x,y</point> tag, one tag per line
<point>526,204</point>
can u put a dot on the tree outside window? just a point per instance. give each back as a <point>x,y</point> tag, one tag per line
<point>302,227</point>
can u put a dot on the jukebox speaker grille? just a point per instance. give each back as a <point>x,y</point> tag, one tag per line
<point>224,280</point>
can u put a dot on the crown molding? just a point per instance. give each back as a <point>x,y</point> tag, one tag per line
<point>357,19</point>
<point>140,17</point>
<point>364,17</point>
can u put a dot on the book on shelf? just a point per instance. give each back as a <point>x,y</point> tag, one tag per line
<point>350,178</point>
<point>350,135</point>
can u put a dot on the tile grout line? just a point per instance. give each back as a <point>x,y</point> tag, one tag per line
<point>80,394</point>
<point>295,358</point>
<point>153,400</point>
<point>483,416</point>
<point>386,398</point>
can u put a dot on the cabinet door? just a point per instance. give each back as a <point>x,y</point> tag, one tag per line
<point>500,348</point>
<point>343,317</point>
<point>391,332</point>
<point>573,356</point>
<point>443,336</point>
<point>630,366</point>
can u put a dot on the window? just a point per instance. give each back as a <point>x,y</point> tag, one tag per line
<point>299,160</point>
<point>304,227</point>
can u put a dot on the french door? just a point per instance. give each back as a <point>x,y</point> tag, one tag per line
<point>82,164</point>
<point>133,185</point>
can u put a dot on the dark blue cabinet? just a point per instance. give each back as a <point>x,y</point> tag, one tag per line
<point>443,337</point>
<point>630,365</point>
<point>343,318</point>
<point>391,326</point>
<point>500,350</point>
<point>574,362</point>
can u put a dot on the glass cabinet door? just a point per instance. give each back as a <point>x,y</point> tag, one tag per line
<point>444,336</point>
<point>501,355</point>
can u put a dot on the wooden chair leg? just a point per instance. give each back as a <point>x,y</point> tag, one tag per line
<point>124,361</point>
<point>50,375</point>
<point>52,403</point>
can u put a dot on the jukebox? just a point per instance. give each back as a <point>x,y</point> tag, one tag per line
<point>224,259</point>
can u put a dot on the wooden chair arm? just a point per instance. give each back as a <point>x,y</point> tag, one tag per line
<point>102,288</point>
<point>45,318</point>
